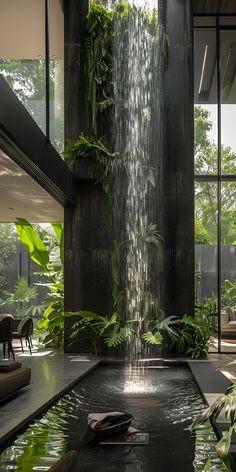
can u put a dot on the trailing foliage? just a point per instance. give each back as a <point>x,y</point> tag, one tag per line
<point>152,236</point>
<point>100,30</point>
<point>106,161</point>
<point>98,68</point>
<point>225,404</point>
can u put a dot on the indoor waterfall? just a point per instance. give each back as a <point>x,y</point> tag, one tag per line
<point>137,131</point>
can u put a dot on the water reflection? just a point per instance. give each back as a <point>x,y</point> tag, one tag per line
<point>164,403</point>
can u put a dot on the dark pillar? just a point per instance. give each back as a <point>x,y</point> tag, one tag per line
<point>88,242</point>
<point>178,164</point>
<point>76,119</point>
<point>88,278</point>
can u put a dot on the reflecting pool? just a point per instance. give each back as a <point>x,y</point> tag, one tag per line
<point>163,402</point>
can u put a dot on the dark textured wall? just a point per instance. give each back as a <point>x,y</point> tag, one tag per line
<point>178,185</point>
<point>88,243</point>
<point>88,223</point>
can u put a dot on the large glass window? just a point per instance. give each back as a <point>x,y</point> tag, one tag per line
<point>31,60</point>
<point>56,73</point>
<point>22,53</point>
<point>215,171</point>
<point>206,220</point>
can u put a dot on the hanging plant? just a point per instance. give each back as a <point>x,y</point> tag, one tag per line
<point>106,161</point>
<point>98,64</point>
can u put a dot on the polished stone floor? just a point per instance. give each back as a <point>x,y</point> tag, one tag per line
<point>52,372</point>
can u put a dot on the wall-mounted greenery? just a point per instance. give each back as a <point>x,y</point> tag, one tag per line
<point>97,149</point>
<point>100,31</point>
<point>98,68</point>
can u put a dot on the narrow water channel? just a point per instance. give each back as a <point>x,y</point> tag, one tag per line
<point>163,402</point>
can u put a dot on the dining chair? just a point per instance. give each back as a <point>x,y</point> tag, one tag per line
<point>6,334</point>
<point>25,331</point>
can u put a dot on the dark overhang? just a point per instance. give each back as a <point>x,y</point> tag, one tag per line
<point>25,143</point>
<point>214,7</point>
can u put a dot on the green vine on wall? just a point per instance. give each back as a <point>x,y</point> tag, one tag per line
<point>98,65</point>
<point>100,32</point>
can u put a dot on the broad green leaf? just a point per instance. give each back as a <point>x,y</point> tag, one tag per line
<point>153,338</point>
<point>222,448</point>
<point>207,465</point>
<point>84,314</point>
<point>58,228</point>
<point>30,239</point>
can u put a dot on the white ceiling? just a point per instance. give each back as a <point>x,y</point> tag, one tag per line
<point>22,29</point>
<point>22,197</point>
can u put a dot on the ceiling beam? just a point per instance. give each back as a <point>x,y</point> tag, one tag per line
<point>25,143</point>
<point>214,7</point>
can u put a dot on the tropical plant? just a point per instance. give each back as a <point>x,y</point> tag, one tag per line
<point>51,327</point>
<point>8,247</point>
<point>151,235</point>
<point>98,330</point>
<point>106,161</point>
<point>21,299</point>
<point>194,333</point>
<point>229,293</point>
<point>156,330</point>
<point>226,404</point>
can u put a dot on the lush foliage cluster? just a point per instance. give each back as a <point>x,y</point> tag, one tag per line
<point>105,161</point>
<point>8,247</point>
<point>51,326</point>
<point>21,299</point>
<point>193,334</point>
<point>225,404</point>
<point>100,31</point>
<point>98,68</point>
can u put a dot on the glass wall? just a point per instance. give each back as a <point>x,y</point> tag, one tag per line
<point>215,171</point>
<point>56,74</point>
<point>31,60</point>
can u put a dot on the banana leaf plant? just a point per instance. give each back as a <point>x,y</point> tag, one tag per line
<point>51,327</point>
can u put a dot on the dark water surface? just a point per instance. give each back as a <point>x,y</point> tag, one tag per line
<point>163,402</point>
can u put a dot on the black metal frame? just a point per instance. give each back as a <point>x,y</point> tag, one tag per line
<point>47,75</point>
<point>218,178</point>
<point>26,144</point>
